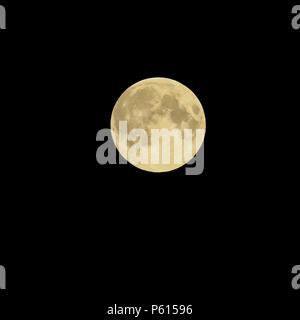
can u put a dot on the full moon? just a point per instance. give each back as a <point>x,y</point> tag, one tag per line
<point>162,104</point>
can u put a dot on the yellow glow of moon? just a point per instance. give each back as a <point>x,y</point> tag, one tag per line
<point>159,103</point>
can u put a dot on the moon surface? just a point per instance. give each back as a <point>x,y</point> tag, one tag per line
<point>159,103</point>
